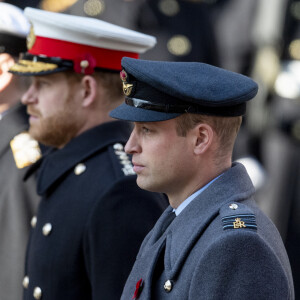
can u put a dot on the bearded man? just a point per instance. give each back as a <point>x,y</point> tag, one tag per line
<point>92,216</point>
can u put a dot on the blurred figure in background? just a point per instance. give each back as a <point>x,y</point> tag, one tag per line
<point>183,28</point>
<point>18,200</point>
<point>277,114</point>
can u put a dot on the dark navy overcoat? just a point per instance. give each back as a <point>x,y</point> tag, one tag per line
<point>91,220</point>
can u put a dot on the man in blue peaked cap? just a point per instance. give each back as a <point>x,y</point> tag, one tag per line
<point>212,242</point>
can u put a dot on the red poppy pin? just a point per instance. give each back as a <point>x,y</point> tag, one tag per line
<point>138,289</point>
<point>85,64</point>
<point>123,76</point>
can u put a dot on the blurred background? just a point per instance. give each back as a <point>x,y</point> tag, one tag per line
<point>258,38</point>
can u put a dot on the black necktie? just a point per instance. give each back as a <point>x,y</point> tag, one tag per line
<point>168,220</point>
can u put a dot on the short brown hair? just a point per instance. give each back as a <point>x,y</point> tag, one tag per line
<point>226,128</point>
<point>110,81</point>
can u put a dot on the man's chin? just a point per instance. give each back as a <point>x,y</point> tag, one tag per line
<point>147,185</point>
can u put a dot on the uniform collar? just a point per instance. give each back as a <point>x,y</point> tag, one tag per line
<point>184,231</point>
<point>58,162</point>
<point>188,200</point>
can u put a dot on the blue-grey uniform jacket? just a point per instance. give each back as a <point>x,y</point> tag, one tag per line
<point>91,220</point>
<point>221,246</point>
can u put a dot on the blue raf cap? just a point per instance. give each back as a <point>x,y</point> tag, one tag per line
<point>158,91</point>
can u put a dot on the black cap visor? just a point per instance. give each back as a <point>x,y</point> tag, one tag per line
<point>136,114</point>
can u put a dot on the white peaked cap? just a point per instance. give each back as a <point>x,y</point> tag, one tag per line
<point>59,42</point>
<point>87,31</point>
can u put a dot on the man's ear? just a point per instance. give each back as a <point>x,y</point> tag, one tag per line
<point>89,90</point>
<point>204,135</point>
<point>6,61</point>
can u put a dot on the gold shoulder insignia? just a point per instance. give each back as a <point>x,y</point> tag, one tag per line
<point>25,149</point>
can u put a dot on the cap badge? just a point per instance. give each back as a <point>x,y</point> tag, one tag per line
<point>127,87</point>
<point>85,64</point>
<point>30,40</point>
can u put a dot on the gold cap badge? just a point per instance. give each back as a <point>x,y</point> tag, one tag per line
<point>127,87</point>
<point>30,38</point>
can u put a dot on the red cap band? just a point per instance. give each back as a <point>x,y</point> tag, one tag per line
<point>105,58</point>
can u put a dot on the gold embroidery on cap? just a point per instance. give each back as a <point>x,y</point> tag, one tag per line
<point>24,66</point>
<point>25,149</point>
<point>30,40</point>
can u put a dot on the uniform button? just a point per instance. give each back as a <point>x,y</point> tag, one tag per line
<point>233,206</point>
<point>33,221</point>
<point>179,45</point>
<point>168,286</point>
<point>37,293</point>
<point>47,228</point>
<point>169,7</point>
<point>79,169</point>
<point>26,282</point>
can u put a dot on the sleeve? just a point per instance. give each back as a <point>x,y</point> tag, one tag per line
<point>240,267</point>
<point>117,227</point>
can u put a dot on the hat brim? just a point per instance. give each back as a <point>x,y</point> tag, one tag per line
<point>134,114</point>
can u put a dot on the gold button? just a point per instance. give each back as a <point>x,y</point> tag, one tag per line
<point>79,169</point>
<point>169,7</point>
<point>26,282</point>
<point>94,7</point>
<point>233,206</point>
<point>37,293</point>
<point>168,286</point>
<point>47,228</point>
<point>179,45</point>
<point>33,221</point>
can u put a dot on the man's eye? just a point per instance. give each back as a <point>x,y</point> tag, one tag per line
<point>41,83</point>
<point>146,130</point>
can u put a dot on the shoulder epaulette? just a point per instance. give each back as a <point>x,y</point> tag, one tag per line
<point>25,149</point>
<point>124,159</point>
<point>237,216</point>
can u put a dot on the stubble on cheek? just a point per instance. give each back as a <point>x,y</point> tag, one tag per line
<point>55,131</point>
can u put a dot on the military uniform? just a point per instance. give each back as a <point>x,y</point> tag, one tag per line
<point>92,217</point>
<point>91,220</point>
<point>18,202</point>
<point>220,247</point>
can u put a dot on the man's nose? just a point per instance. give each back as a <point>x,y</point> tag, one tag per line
<point>29,96</point>
<point>132,146</point>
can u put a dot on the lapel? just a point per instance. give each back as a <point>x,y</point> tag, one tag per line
<point>58,162</point>
<point>233,185</point>
<point>14,122</point>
